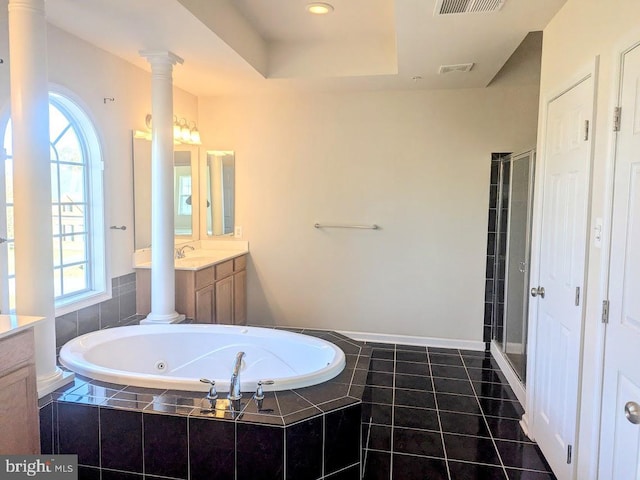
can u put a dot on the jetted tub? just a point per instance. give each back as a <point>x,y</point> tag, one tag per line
<point>176,357</point>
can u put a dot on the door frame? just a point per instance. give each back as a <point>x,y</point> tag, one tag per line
<point>628,44</point>
<point>590,71</point>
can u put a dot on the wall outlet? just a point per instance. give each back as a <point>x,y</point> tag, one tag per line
<point>237,231</point>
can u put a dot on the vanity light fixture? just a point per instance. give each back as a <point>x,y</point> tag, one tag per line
<point>195,135</point>
<point>182,131</point>
<point>185,133</point>
<point>319,8</point>
<point>177,131</point>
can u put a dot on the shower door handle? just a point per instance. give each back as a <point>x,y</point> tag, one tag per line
<point>537,291</point>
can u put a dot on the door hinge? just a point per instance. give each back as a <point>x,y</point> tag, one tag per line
<point>617,114</point>
<point>605,311</point>
<point>577,296</point>
<point>586,130</point>
<point>569,449</point>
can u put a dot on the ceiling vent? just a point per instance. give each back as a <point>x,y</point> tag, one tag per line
<point>447,7</point>
<point>460,67</point>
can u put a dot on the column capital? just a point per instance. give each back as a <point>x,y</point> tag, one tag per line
<point>161,57</point>
<point>34,6</point>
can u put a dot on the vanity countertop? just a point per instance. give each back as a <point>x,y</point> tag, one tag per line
<point>10,324</point>
<point>199,259</point>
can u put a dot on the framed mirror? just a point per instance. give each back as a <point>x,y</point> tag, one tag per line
<point>186,198</point>
<point>183,199</point>
<point>218,186</point>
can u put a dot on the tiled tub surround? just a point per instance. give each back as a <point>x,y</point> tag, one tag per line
<point>119,310</point>
<point>444,414</point>
<point>132,433</point>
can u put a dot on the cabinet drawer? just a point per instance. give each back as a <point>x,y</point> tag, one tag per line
<point>224,269</point>
<point>16,350</point>
<point>240,263</point>
<point>204,277</point>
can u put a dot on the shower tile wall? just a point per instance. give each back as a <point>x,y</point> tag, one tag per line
<point>496,248</point>
<point>120,309</point>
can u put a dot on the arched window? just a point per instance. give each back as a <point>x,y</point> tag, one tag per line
<point>77,206</point>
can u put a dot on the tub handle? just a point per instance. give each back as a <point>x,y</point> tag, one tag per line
<point>260,392</point>
<point>213,394</point>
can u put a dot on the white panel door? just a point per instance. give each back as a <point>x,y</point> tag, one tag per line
<point>620,437</point>
<point>561,272</point>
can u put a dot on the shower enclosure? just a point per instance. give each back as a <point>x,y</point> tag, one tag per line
<point>511,266</point>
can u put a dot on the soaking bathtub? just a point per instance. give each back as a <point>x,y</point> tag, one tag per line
<point>176,357</point>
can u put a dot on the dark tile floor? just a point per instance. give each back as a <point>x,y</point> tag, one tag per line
<point>444,414</point>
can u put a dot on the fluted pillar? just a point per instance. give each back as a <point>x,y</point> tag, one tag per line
<point>32,183</point>
<point>162,218</point>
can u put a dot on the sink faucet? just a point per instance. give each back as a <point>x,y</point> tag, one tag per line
<point>234,385</point>
<point>180,251</point>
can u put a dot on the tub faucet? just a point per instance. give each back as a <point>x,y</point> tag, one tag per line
<point>234,385</point>
<point>180,251</point>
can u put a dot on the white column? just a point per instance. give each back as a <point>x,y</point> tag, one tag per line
<point>163,288</point>
<point>32,183</point>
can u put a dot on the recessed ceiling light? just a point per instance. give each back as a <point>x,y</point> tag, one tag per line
<point>318,8</point>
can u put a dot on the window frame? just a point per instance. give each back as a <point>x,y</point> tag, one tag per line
<point>97,256</point>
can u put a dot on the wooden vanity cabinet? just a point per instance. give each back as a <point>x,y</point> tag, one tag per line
<point>224,301</point>
<point>240,297</point>
<point>231,292</point>
<point>18,395</point>
<point>214,294</point>
<point>205,301</point>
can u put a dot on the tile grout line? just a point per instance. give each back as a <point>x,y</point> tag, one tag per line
<point>493,441</point>
<point>284,442</point>
<point>435,401</point>
<point>99,439</point>
<point>393,412</point>
<point>189,446</point>
<point>366,448</point>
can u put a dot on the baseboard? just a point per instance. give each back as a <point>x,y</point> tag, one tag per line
<point>524,424</point>
<point>414,340</point>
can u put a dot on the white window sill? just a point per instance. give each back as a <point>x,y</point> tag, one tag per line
<point>79,302</point>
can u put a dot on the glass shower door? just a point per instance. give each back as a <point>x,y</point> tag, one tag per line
<point>518,236</point>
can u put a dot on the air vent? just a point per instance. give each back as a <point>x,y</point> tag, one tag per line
<point>460,67</point>
<point>447,7</point>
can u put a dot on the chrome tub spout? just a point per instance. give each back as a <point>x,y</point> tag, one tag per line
<point>235,392</point>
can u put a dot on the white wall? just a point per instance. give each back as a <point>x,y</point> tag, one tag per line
<point>582,30</point>
<point>90,74</point>
<point>416,163</point>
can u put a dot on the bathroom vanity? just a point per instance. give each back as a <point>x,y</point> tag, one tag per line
<point>211,286</point>
<point>18,394</point>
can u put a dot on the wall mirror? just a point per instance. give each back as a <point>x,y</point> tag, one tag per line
<point>218,186</point>
<point>204,192</point>
<point>186,198</point>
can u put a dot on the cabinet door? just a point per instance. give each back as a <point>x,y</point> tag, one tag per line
<point>224,300</point>
<point>205,301</point>
<point>240,298</point>
<point>18,413</point>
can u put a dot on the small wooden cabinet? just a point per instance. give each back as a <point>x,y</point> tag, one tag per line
<point>214,294</point>
<point>18,395</point>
